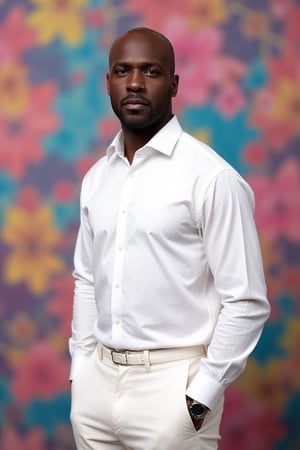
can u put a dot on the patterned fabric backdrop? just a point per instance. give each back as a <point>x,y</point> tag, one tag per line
<point>239,92</point>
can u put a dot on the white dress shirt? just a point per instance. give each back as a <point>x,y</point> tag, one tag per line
<point>167,255</point>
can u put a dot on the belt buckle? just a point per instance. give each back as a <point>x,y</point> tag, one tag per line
<point>121,354</point>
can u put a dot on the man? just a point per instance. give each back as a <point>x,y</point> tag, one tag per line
<point>169,288</point>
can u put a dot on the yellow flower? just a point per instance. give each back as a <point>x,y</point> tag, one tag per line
<point>270,253</point>
<point>13,90</point>
<point>287,102</point>
<point>290,342</point>
<point>207,13</point>
<point>58,18</point>
<point>255,24</point>
<point>21,328</point>
<point>16,356</point>
<point>268,383</point>
<point>291,339</point>
<point>203,135</point>
<point>58,342</point>
<point>32,237</point>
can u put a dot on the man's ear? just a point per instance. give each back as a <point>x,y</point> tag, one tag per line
<point>107,83</point>
<point>175,82</point>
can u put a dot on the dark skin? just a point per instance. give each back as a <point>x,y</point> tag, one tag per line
<point>141,83</point>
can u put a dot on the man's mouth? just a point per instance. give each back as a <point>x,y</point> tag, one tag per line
<point>134,102</point>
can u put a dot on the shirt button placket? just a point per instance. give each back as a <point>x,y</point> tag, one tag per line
<point>117,293</point>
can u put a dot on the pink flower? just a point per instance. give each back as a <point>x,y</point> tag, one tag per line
<point>230,100</point>
<point>277,132</point>
<point>33,440</point>
<point>64,191</point>
<point>230,70</point>
<point>292,32</point>
<point>272,257</point>
<point>21,138</point>
<point>275,109</point>
<point>29,199</point>
<point>108,127</point>
<point>61,305</point>
<point>94,17</point>
<point>197,61</point>
<point>280,9</point>
<point>83,164</point>
<point>15,37</point>
<point>284,67</point>
<point>255,154</point>
<point>248,425</point>
<point>285,282</point>
<point>278,202</point>
<point>155,16</point>
<point>42,374</point>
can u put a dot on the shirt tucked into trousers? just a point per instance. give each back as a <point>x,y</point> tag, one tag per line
<point>117,407</point>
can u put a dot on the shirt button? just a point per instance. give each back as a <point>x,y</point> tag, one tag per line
<point>117,285</point>
<point>118,322</point>
<point>120,248</point>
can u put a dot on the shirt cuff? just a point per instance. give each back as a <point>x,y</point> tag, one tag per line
<point>205,389</point>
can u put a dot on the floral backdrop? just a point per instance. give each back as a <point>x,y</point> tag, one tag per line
<point>239,92</point>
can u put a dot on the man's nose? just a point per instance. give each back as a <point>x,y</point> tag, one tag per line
<point>136,81</point>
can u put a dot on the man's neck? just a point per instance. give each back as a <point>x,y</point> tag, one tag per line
<point>136,139</point>
<point>133,141</point>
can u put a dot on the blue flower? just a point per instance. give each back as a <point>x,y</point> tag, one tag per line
<point>5,398</point>
<point>48,414</point>
<point>88,56</point>
<point>257,76</point>
<point>228,136</point>
<point>66,213</point>
<point>80,110</point>
<point>7,192</point>
<point>82,106</point>
<point>290,420</point>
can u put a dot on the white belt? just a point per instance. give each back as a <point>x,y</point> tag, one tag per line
<point>146,357</point>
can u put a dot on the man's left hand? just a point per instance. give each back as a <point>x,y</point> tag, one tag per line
<point>197,422</point>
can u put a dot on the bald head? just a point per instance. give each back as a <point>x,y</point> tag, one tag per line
<point>154,38</point>
<point>141,81</point>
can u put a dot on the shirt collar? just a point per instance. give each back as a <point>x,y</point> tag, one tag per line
<point>163,141</point>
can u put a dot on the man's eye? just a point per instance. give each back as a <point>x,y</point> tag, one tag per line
<point>121,71</point>
<point>151,71</point>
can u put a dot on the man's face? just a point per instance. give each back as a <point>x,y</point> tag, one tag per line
<point>141,82</point>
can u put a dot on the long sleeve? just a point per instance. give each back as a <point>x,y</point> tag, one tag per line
<point>234,258</point>
<point>82,341</point>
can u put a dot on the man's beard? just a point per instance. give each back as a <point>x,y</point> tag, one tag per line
<point>135,120</point>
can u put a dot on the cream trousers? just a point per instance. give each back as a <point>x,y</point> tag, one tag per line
<point>117,407</point>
